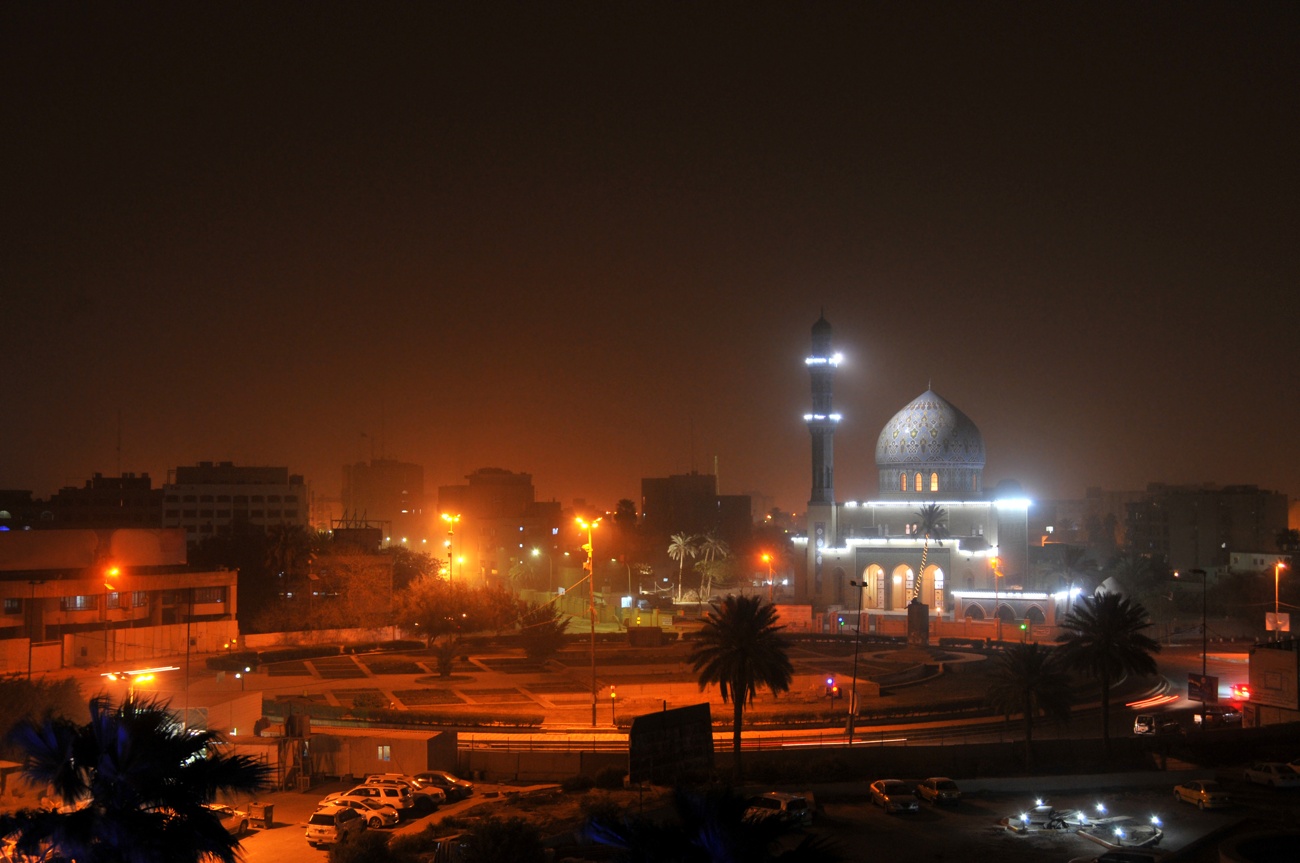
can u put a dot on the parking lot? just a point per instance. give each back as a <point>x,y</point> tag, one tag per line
<point>286,838</point>
<point>974,829</point>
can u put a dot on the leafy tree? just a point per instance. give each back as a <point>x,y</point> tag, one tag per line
<point>741,649</point>
<point>132,784</point>
<point>1031,680</point>
<point>930,524</point>
<point>435,607</point>
<point>409,565</point>
<point>23,700</point>
<point>709,825</point>
<point>541,629</point>
<point>680,547</point>
<point>1288,541</point>
<point>493,839</point>
<point>1103,638</point>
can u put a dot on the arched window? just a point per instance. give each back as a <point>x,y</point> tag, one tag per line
<point>918,482</point>
<point>934,482</point>
<point>902,482</point>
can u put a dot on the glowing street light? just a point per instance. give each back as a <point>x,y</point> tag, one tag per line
<point>996,564</point>
<point>1277,617</point>
<point>590,566</point>
<point>451,534</point>
<point>550,567</point>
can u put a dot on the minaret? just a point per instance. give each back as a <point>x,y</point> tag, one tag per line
<point>822,421</point>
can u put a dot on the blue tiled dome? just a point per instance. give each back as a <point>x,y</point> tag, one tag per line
<point>930,433</point>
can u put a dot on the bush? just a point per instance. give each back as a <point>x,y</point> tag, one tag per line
<point>574,784</point>
<point>493,840</point>
<point>610,778</point>
<point>600,808</point>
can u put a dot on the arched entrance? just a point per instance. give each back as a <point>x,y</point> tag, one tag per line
<point>873,589</point>
<point>934,581</point>
<point>900,586</point>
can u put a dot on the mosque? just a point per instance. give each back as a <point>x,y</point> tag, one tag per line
<point>872,558</point>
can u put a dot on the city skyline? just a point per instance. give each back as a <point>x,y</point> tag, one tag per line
<point>589,243</point>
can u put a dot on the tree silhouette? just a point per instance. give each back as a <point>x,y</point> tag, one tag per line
<point>1031,680</point>
<point>132,785</point>
<point>1103,638</point>
<point>741,649</point>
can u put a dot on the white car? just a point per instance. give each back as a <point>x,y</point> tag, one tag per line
<point>331,823</point>
<point>790,808</point>
<point>393,795</point>
<point>894,795</point>
<point>422,796</point>
<point>376,814</point>
<point>939,789</point>
<point>1273,773</point>
<point>234,820</point>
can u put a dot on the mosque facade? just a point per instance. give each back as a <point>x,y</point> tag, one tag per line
<point>874,556</point>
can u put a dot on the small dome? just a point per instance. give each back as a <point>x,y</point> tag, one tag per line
<point>929,432</point>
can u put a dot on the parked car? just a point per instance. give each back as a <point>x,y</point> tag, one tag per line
<point>1218,716</point>
<point>376,814</point>
<point>423,797</point>
<point>395,796</point>
<point>1204,793</point>
<point>1155,723</point>
<point>330,823</point>
<point>234,820</point>
<point>939,789</point>
<point>1274,774</point>
<point>791,808</point>
<point>894,795</point>
<point>452,785</point>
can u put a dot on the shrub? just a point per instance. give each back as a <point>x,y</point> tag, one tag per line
<point>610,778</point>
<point>577,783</point>
<point>493,839</point>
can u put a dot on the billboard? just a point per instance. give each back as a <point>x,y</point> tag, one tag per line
<point>1273,678</point>
<point>669,744</point>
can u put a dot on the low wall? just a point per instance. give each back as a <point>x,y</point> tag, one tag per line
<point>258,640</point>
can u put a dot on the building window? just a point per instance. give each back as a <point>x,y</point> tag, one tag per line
<point>272,498</point>
<point>209,595</point>
<point>934,482</point>
<point>189,498</point>
<point>291,513</point>
<point>139,598</point>
<point>173,513</point>
<point>257,513</point>
<point>291,498</point>
<point>114,600</point>
<point>257,498</point>
<point>902,482</point>
<point>13,606</point>
<point>918,482</point>
<point>385,752</point>
<point>78,603</point>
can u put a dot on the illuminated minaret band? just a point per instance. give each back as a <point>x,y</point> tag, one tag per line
<point>822,421</point>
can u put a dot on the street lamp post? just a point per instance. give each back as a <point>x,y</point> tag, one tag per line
<point>767,558</point>
<point>1277,606</point>
<point>590,566</point>
<point>1205,642</point>
<point>550,568</point>
<point>451,535</point>
<point>853,687</point>
<point>996,563</point>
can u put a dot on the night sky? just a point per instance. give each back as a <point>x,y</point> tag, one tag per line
<point>588,241</point>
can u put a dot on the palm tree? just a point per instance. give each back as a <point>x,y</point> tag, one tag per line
<point>680,547</point>
<point>714,551</point>
<point>1103,638</point>
<point>1031,680</point>
<point>929,523</point>
<point>132,784</point>
<point>740,649</point>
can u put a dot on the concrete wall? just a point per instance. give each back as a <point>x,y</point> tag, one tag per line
<point>147,644</point>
